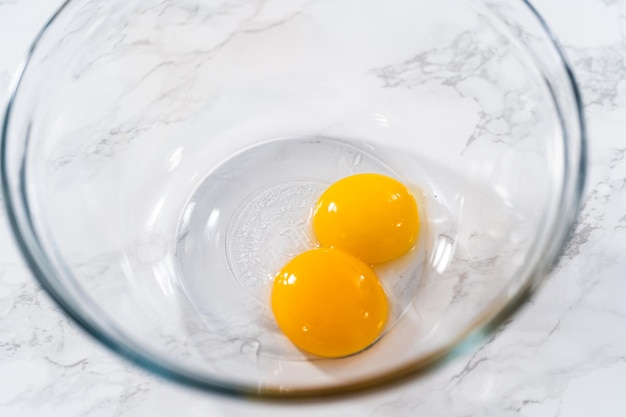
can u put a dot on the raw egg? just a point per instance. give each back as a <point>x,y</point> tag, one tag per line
<point>329,303</point>
<point>371,216</point>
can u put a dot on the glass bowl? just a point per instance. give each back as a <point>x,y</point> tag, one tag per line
<point>160,161</point>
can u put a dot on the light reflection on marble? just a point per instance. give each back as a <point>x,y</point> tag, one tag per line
<point>563,354</point>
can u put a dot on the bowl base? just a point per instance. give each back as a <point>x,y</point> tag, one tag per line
<point>250,216</point>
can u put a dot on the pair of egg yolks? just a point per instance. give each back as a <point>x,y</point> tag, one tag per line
<point>328,301</point>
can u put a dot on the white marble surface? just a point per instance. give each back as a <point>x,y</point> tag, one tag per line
<point>564,354</point>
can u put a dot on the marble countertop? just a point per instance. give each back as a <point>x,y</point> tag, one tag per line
<point>563,354</point>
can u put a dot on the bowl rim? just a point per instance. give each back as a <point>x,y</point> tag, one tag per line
<point>477,331</point>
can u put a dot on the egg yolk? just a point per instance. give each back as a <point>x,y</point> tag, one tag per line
<point>329,303</point>
<point>370,216</point>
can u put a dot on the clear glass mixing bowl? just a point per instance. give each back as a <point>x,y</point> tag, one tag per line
<point>160,159</point>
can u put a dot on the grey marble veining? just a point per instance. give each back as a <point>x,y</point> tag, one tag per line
<point>563,354</point>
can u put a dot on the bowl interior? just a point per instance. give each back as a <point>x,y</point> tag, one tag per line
<point>145,139</point>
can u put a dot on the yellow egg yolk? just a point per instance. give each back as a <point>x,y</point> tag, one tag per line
<point>370,216</point>
<point>329,303</point>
